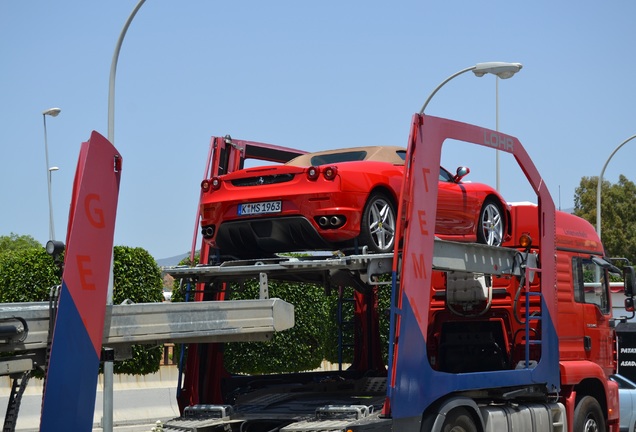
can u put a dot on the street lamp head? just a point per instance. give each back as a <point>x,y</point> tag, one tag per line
<point>53,169</point>
<point>501,69</point>
<point>53,112</point>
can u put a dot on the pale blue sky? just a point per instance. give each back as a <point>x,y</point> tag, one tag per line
<point>313,75</point>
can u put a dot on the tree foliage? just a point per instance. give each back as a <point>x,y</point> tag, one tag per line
<point>618,213</point>
<point>14,242</point>
<point>27,274</point>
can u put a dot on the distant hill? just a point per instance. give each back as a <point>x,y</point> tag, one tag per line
<point>172,261</point>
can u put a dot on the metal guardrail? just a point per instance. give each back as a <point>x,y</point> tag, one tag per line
<point>150,323</point>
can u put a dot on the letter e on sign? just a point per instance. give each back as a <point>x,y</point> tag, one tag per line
<point>94,212</point>
<point>84,268</point>
<point>421,218</point>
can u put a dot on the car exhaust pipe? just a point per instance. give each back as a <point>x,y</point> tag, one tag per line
<point>335,221</point>
<point>323,221</point>
<point>208,231</point>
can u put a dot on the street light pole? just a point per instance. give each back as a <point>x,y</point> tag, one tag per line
<point>501,69</point>
<point>497,129</point>
<point>53,112</point>
<point>599,185</point>
<point>113,71</point>
<point>108,363</point>
<point>51,223</point>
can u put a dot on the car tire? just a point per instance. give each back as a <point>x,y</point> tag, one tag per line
<point>490,226</point>
<point>588,416</point>
<point>378,223</point>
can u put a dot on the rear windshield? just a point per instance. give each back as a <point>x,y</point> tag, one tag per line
<point>338,157</point>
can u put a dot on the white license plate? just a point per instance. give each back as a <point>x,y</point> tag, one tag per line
<point>260,208</point>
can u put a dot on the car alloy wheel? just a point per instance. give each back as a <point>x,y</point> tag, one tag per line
<point>491,224</point>
<point>377,229</point>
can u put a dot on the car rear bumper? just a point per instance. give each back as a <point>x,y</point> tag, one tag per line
<point>316,221</point>
<point>268,235</point>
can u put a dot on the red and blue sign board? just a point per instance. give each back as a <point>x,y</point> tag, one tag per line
<point>71,380</point>
<point>413,384</point>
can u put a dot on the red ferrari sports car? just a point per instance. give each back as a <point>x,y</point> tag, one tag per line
<point>337,199</point>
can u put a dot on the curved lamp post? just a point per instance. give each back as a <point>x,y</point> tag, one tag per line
<point>113,71</point>
<point>600,184</point>
<point>108,365</point>
<point>53,112</point>
<point>501,69</point>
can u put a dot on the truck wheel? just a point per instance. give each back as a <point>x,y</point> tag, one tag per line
<point>588,416</point>
<point>490,228</point>
<point>459,420</point>
<point>377,227</point>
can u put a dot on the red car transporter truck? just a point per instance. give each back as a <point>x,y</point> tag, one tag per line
<point>481,338</point>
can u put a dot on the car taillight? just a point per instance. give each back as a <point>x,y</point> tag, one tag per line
<point>214,184</point>
<point>312,173</point>
<point>330,172</point>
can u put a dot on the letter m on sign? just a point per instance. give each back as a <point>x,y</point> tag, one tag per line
<point>71,378</point>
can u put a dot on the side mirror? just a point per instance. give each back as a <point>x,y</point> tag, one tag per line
<point>461,172</point>
<point>629,304</point>
<point>630,281</point>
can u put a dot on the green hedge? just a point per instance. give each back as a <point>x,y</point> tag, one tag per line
<point>26,275</point>
<point>137,277</point>
<point>298,349</point>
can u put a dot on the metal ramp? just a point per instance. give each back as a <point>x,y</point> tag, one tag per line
<point>447,256</point>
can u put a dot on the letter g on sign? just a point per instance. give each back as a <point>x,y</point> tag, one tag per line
<point>93,211</point>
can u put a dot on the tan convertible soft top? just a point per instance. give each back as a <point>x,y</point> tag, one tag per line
<point>391,154</point>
